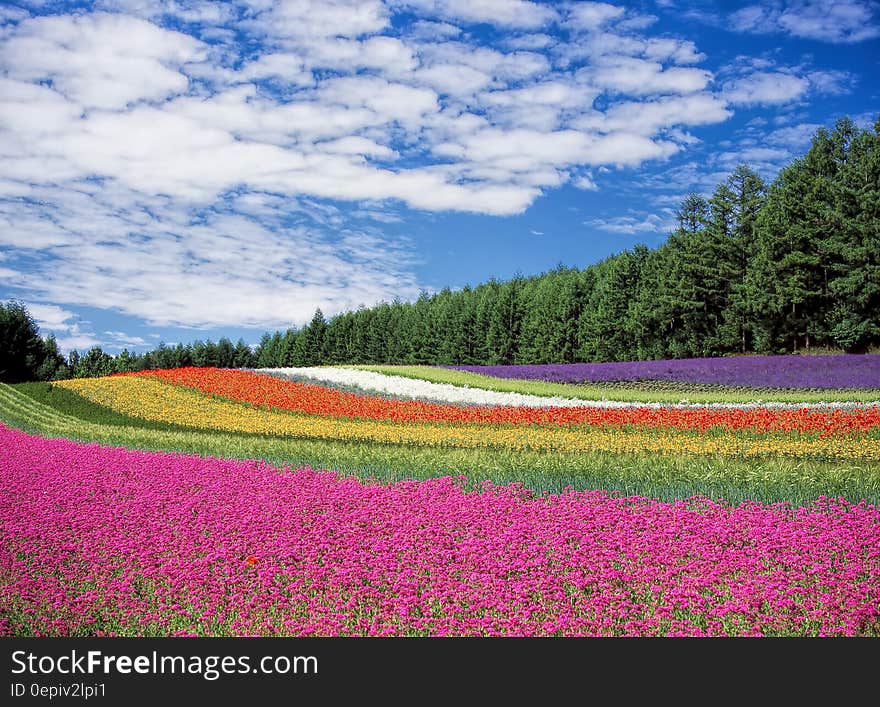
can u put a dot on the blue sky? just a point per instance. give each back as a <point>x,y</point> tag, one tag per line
<point>176,170</point>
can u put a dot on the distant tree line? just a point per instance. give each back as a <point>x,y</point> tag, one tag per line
<point>754,268</point>
<point>222,354</point>
<point>25,356</point>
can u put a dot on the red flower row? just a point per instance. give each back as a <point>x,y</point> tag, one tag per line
<point>264,390</point>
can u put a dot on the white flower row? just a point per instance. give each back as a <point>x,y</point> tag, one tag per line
<point>417,389</point>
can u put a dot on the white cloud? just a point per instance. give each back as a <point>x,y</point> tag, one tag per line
<point>50,317</point>
<point>794,136</point>
<point>520,150</point>
<point>754,155</point>
<point>640,77</point>
<point>120,338</point>
<point>171,175</point>
<point>762,83</point>
<point>648,117</point>
<point>69,330</point>
<point>749,19</point>
<point>536,40</point>
<point>591,15</point>
<point>206,268</point>
<point>677,51</point>
<point>289,68</point>
<point>189,11</point>
<point>309,19</point>
<point>830,82</point>
<point>631,225</point>
<point>501,66</point>
<point>503,13</point>
<point>585,182</point>
<point>835,21</point>
<point>765,88</point>
<point>428,31</point>
<point>80,342</point>
<point>12,14</point>
<point>100,61</point>
<point>458,80</point>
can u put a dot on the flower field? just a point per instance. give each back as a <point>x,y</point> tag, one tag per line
<point>247,549</point>
<point>155,399</point>
<point>261,390</point>
<point>530,507</point>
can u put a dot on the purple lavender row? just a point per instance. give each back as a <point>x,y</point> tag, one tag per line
<point>831,371</point>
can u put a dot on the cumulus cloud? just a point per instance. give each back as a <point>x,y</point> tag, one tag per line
<point>794,136</point>
<point>69,330</point>
<point>157,166</point>
<point>776,86</point>
<point>649,117</point>
<point>591,15</point>
<point>640,77</point>
<point>834,21</point>
<point>504,13</point>
<point>635,224</point>
<point>765,88</point>
<point>100,61</point>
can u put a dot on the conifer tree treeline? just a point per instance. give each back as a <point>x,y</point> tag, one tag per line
<point>761,268</point>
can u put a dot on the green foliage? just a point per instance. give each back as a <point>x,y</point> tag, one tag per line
<point>815,279</point>
<point>24,356</point>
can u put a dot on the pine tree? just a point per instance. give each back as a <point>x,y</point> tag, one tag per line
<point>52,367</point>
<point>854,285</point>
<point>21,349</point>
<point>313,340</point>
<point>505,322</point>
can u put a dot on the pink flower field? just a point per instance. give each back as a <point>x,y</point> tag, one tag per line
<point>100,540</point>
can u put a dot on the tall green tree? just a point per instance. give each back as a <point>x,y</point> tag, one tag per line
<point>748,192</point>
<point>854,284</point>
<point>313,340</point>
<point>505,321</point>
<point>605,330</point>
<point>22,350</point>
<point>94,364</point>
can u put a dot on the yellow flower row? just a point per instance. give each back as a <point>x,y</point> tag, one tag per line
<point>151,399</point>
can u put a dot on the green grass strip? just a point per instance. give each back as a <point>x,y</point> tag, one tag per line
<point>622,392</point>
<point>729,479</point>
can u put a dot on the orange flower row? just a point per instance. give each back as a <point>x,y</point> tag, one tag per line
<point>264,390</point>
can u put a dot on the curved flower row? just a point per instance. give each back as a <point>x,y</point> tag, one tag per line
<point>101,540</point>
<point>261,389</point>
<point>149,398</point>
<point>370,381</point>
<point>413,386</point>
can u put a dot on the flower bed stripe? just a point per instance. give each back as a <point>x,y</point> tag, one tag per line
<point>259,389</point>
<point>431,383</point>
<point>149,398</point>
<point>836,371</point>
